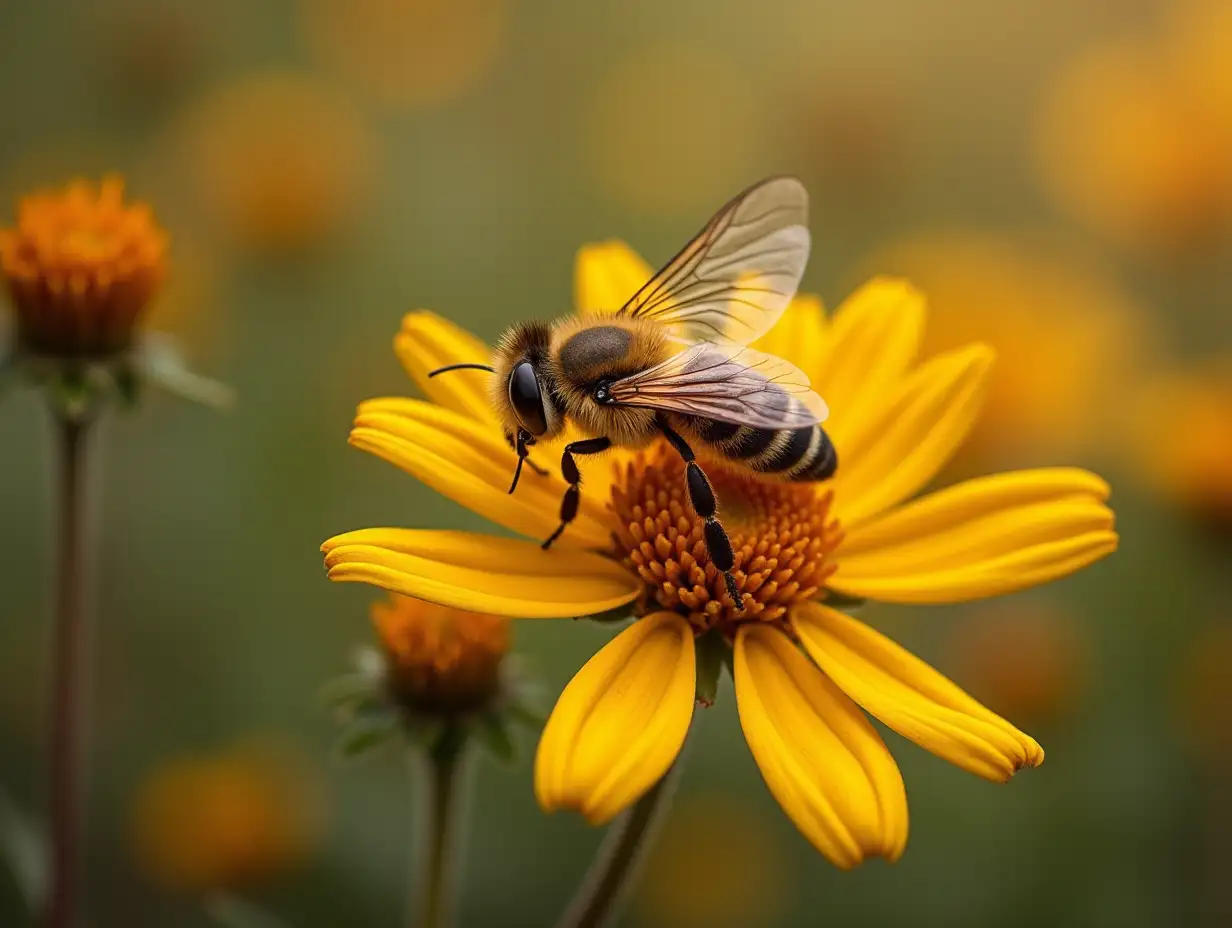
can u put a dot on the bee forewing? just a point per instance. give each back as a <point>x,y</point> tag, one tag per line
<point>729,383</point>
<point>733,281</point>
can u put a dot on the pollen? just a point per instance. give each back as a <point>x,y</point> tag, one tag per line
<point>782,534</point>
<point>440,659</point>
<point>81,266</point>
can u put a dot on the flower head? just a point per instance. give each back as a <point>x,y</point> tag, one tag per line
<point>81,266</point>
<point>803,668</point>
<point>439,676</point>
<point>439,658</point>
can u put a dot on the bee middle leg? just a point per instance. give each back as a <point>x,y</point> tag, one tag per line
<point>706,505</point>
<point>569,470</point>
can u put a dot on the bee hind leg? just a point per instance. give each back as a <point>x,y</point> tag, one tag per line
<point>706,505</point>
<point>569,470</point>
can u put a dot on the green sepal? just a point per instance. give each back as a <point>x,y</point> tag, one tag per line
<point>232,911</point>
<point>611,616</point>
<point>349,693</point>
<point>158,360</point>
<point>23,852</point>
<point>491,730</point>
<point>711,650</point>
<point>368,730</point>
<point>841,602</point>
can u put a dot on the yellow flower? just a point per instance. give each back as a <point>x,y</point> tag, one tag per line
<point>81,266</point>
<point>1134,136</point>
<point>1027,300</point>
<point>1192,465</point>
<point>438,658</point>
<point>620,723</point>
<point>225,820</point>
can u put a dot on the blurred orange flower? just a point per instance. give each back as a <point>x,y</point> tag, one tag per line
<point>1025,659</point>
<point>635,143</point>
<point>81,266</point>
<point>1066,337</point>
<point>1205,691</point>
<point>1181,436</point>
<point>407,54</point>
<point>439,658</point>
<point>226,820</point>
<point>1134,137</point>
<point>281,160</point>
<point>728,890</point>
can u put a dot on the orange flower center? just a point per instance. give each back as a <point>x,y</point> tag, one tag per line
<point>437,658</point>
<point>782,534</point>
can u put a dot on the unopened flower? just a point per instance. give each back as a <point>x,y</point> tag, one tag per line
<point>437,673</point>
<point>81,266</point>
<point>803,667</point>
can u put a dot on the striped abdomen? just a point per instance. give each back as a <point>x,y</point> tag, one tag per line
<point>793,454</point>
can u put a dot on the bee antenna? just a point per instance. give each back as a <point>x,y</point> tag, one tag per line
<point>462,367</point>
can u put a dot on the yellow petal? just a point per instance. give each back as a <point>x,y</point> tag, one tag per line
<point>501,576</point>
<point>825,764</point>
<point>427,342</point>
<point>470,462</point>
<point>606,275</point>
<point>801,336</point>
<point>901,444</point>
<point>911,697</point>
<point>874,337</point>
<point>620,722</point>
<point>980,538</point>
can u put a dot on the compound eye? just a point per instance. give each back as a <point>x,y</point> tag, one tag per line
<point>526,399</point>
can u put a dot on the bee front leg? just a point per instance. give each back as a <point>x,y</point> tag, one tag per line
<point>706,505</point>
<point>569,470</point>
<point>541,471</point>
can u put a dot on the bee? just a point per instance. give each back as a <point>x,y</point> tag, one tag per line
<point>674,362</point>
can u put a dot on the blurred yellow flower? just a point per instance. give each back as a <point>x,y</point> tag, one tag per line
<point>438,658</point>
<point>1026,659</point>
<point>646,156</point>
<point>81,266</point>
<point>728,890</point>
<point>621,721</point>
<point>407,54</point>
<point>1133,136</point>
<point>1182,439</point>
<point>1067,339</point>
<point>281,160</point>
<point>225,820</point>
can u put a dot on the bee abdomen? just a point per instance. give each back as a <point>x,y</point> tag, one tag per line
<point>804,454</point>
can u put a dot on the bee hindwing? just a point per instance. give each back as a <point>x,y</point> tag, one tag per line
<point>727,383</point>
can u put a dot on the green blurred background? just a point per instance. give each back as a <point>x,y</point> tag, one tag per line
<point>1057,176</point>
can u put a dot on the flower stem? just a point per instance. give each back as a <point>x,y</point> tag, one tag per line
<point>68,733</point>
<point>598,898</point>
<point>432,905</point>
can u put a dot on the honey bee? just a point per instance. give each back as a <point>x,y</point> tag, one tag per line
<point>674,362</point>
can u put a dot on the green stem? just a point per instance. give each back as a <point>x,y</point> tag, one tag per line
<point>68,732</point>
<point>615,866</point>
<point>440,815</point>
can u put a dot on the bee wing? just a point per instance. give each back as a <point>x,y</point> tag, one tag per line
<point>729,383</point>
<point>733,281</point>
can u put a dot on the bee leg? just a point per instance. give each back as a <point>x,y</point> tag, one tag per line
<point>569,470</point>
<point>705,504</point>
<point>541,471</point>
